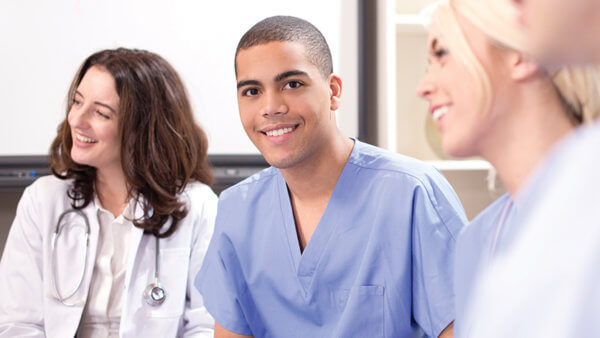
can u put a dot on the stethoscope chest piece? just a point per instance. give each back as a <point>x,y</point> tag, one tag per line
<point>155,295</point>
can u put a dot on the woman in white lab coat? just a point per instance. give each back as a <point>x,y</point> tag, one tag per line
<point>130,173</point>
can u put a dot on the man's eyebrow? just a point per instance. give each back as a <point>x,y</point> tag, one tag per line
<point>287,74</point>
<point>278,78</point>
<point>247,83</point>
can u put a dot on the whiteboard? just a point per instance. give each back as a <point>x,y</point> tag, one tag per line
<point>43,43</point>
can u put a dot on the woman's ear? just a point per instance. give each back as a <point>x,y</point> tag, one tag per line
<point>335,92</point>
<point>522,67</point>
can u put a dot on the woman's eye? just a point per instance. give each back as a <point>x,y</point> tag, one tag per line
<point>76,102</point>
<point>250,92</point>
<point>439,53</point>
<point>293,85</point>
<point>102,115</point>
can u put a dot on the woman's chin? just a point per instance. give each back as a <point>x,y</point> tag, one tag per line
<point>457,148</point>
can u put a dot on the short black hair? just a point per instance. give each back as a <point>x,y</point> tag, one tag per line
<point>290,29</point>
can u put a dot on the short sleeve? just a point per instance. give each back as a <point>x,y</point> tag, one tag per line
<point>220,280</point>
<point>433,242</point>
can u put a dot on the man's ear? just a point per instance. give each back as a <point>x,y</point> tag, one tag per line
<point>522,67</point>
<point>335,92</point>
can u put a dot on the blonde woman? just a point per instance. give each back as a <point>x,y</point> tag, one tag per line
<point>547,283</point>
<point>490,100</point>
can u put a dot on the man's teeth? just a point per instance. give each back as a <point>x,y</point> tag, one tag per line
<point>278,132</point>
<point>438,113</point>
<point>85,139</point>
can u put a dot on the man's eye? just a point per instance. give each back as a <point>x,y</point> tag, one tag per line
<point>250,92</point>
<point>293,84</point>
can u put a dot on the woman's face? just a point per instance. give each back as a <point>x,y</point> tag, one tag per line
<point>93,121</point>
<point>456,97</point>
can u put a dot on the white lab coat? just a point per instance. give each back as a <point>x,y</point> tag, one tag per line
<point>27,304</point>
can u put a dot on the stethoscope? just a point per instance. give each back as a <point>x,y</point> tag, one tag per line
<point>154,294</point>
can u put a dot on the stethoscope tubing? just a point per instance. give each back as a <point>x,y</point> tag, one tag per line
<point>154,294</point>
<point>56,233</point>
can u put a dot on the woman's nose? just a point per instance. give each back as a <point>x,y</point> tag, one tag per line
<point>77,117</point>
<point>425,88</point>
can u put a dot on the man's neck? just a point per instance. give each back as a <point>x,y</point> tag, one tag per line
<point>311,185</point>
<point>317,176</point>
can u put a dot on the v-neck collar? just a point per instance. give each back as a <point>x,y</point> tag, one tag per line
<point>306,263</point>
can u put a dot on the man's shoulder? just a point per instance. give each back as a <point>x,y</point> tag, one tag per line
<point>407,175</point>
<point>393,165</point>
<point>250,187</point>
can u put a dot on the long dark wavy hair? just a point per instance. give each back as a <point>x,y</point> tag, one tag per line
<point>162,148</point>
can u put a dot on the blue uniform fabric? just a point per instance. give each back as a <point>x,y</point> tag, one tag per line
<point>546,283</point>
<point>477,245</point>
<point>379,263</point>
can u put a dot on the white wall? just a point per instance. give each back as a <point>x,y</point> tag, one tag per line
<point>43,42</point>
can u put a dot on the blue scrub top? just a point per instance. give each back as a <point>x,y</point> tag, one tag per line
<point>551,269</point>
<point>379,263</point>
<point>542,280</point>
<point>487,237</point>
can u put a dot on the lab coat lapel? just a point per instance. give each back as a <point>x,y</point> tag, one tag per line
<point>135,239</point>
<point>134,243</point>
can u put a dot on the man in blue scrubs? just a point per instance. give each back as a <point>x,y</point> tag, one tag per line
<point>338,238</point>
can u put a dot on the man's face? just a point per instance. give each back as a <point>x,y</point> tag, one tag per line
<point>562,31</point>
<point>286,105</point>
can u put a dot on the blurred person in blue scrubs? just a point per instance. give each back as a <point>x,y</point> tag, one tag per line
<point>547,282</point>
<point>491,100</point>
<point>338,238</point>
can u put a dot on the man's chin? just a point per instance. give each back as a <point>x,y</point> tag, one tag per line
<point>283,161</point>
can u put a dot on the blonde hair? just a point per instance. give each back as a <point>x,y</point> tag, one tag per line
<point>577,87</point>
